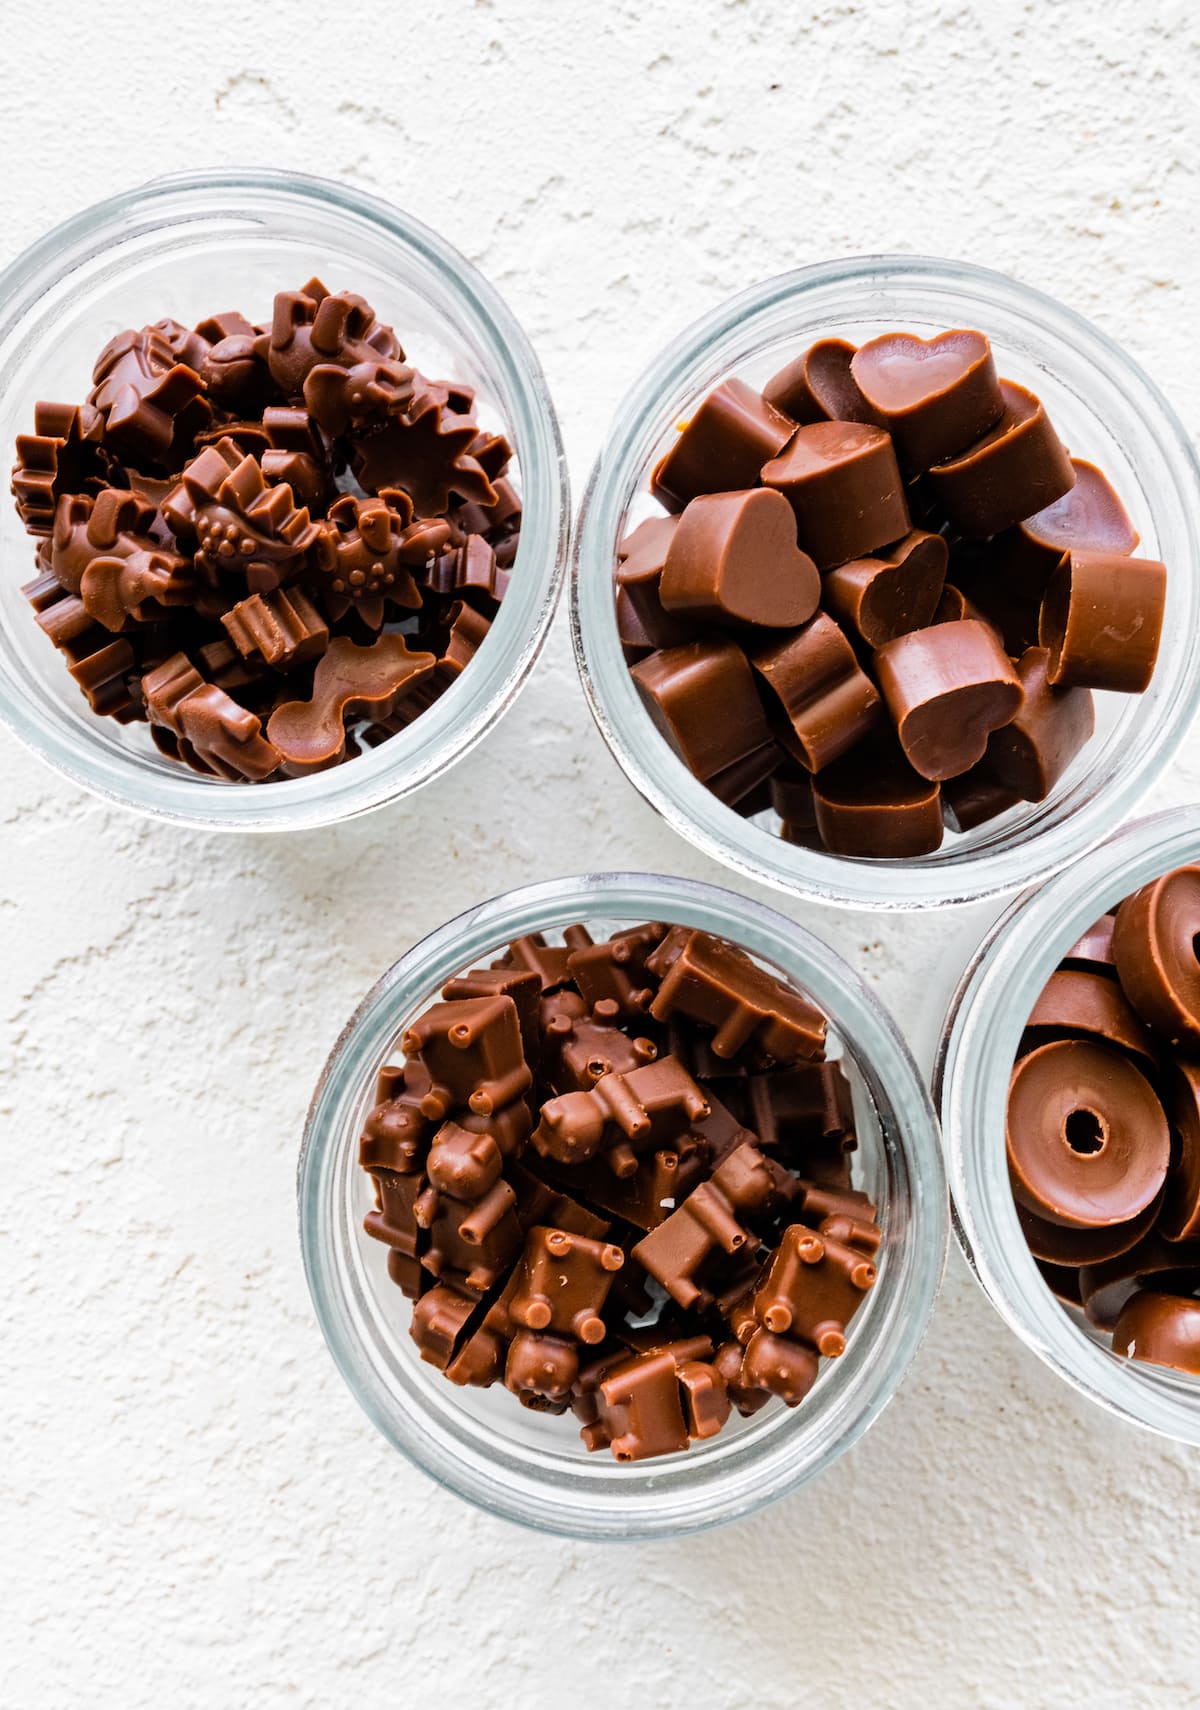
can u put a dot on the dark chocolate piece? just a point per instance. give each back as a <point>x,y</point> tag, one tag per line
<point>872,803</point>
<point>702,698</point>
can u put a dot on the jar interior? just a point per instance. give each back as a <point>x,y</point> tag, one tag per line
<point>190,262</point>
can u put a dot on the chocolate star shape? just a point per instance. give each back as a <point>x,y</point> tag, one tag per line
<point>425,453</point>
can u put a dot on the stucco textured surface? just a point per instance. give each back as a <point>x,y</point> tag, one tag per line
<point>194,1513</point>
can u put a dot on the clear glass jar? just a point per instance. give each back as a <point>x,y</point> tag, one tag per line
<point>533,1468</point>
<point>188,247</point>
<point>1106,410</point>
<point>975,1059</point>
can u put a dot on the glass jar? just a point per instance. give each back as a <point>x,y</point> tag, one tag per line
<point>188,247</point>
<point>975,1059</point>
<point>533,1468</point>
<point>1105,409</point>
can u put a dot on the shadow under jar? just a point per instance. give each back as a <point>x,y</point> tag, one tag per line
<point>196,245</point>
<point>531,1467</point>
<point>980,1041</point>
<point>1106,411</point>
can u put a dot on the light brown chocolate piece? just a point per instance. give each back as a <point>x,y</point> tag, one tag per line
<point>733,558</point>
<point>825,696</point>
<point>872,803</point>
<point>1102,620</point>
<point>947,689</point>
<point>1154,947</point>
<point>565,1279</point>
<point>471,1051</point>
<point>623,1114</point>
<point>1016,469</point>
<point>280,628</point>
<point>680,1252</point>
<point>1162,1330</point>
<point>1033,751</point>
<point>934,396</point>
<point>813,1288</point>
<point>639,1410</point>
<point>703,699</point>
<point>1080,1001</point>
<point>713,982</point>
<point>818,386</point>
<point>213,732</point>
<point>350,682</point>
<point>892,593</point>
<point>722,448</point>
<point>842,481</point>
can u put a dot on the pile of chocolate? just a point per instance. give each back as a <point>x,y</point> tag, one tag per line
<point>271,544</point>
<point>882,596</point>
<point>1104,1125</point>
<point>616,1177</point>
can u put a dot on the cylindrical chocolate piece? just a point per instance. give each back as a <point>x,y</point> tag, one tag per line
<point>872,803</point>
<point>1082,1001</point>
<point>1102,619</point>
<point>1165,1266</point>
<point>702,697</point>
<point>1032,752</point>
<point>947,689</point>
<point>819,387</point>
<point>1088,1143</point>
<point>842,481</point>
<point>1090,518</point>
<point>723,447</point>
<point>733,558</point>
<point>934,396</point>
<point>1155,948</point>
<point>1055,1244</point>
<point>892,593</point>
<point>829,701</point>
<point>1019,467</point>
<point>1162,1330</point>
<point>1180,1220</point>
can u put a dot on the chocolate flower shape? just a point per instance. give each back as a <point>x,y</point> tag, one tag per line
<point>360,550</point>
<point>151,402</point>
<point>239,522</point>
<point>426,453</point>
<point>62,455</point>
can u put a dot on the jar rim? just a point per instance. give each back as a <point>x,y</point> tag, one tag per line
<point>159,213</point>
<point>979,1041</point>
<point>994,863</point>
<point>698,1490</point>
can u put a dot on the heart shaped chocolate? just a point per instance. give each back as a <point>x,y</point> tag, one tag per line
<point>733,556</point>
<point>947,689</point>
<point>934,396</point>
<point>819,387</point>
<point>893,593</point>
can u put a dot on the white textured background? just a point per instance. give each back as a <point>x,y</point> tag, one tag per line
<point>193,1512</point>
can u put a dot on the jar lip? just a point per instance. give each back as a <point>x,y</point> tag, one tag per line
<point>447,731</point>
<point>983,1025</point>
<point>1050,834</point>
<point>697,1491</point>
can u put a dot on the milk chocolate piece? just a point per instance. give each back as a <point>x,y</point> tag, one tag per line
<point>361,550</point>
<point>1167,1267</point>
<point>1154,945</point>
<point>888,595</point>
<point>706,1404</point>
<point>217,734</point>
<point>541,1366</point>
<point>711,981</point>
<point>1082,1001</point>
<point>238,522</point>
<point>680,1252</point>
<point>872,803</point>
<point>639,1410</point>
<point>1095,948</point>
<point>1102,620</point>
<point>1016,469</point>
<point>702,698</point>
<point>813,1288</point>
<point>746,1396</point>
<point>472,1051</point>
<point>935,397</point>
<point>828,700</point>
<point>842,481</point>
<point>642,556</point>
<point>463,1165</point>
<point>394,1220</point>
<point>1088,1143</point>
<point>1055,1243</point>
<point>1089,518</point>
<point>723,447</point>
<point>62,455</point>
<point>520,984</point>
<point>623,1114</point>
<point>819,386</point>
<point>330,349</point>
<point>612,977</point>
<point>947,689</point>
<point>778,1365</point>
<point>438,1321</point>
<point>147,398</point>
<point>475,1239</point>
<point>565,1280</point>
<point>974,798</point>
<point>1180,1220</point>
<point>579,1051</point>
<point>1162,1330</point>
<point>102,549</point>
<point>1031,753</point>
<point>350,682</point>
<point>733,558</point>
<point>789,1107</point>
<point>281,628</point>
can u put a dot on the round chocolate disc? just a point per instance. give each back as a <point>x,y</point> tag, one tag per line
<point>1055,1244</point>
<point>1162,1329</point>
<point>1088,1142</point>
<point>1181,1209</point>
<point>1156,944</point>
